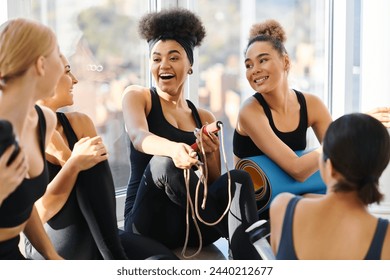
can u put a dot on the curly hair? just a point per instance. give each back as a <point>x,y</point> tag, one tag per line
<point>177,22</point>
<point>268,31</point>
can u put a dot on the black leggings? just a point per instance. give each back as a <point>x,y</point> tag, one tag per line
<point>9,249</point>
<point>159,211</point>
<point>96,197</point>
<point>86,227</point>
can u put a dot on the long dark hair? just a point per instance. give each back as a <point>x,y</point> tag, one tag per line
<point>358,146</point>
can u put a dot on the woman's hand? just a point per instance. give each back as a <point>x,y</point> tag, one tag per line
<point>12,175</point>
<point>210,142</point>
<point>209,145</point>
<point>88,152</point>
<point>184,156</point>
<point>382,114</point>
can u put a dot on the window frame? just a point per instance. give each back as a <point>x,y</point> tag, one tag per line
<point>340,66</point>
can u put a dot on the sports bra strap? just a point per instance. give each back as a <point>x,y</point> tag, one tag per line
<point>375,251</point>
<point>195,114</point>
<point>42,128</point>
<point>68,130</point>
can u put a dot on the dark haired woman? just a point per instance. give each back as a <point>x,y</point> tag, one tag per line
<point>160,123</point>
<point>356,150</point>
<point>282,113</point>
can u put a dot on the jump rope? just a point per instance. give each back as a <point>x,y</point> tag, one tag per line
<point>203,177</point>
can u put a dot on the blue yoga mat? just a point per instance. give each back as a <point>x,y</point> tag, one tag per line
<point>269,180</point>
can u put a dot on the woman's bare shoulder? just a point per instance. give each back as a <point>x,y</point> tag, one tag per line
<point>206,116</point>
<point>280,201</point>
<point>135,89</point>
<point>82,124</point>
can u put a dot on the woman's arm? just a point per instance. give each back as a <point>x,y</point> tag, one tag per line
<point>253,122</point>
<point>382,114</point>
<point>277,212</point>
<point>319,117</point>
<point>136,104</point>
<point>38,237</point>
<point>87,152</point>
<point>211,145</point>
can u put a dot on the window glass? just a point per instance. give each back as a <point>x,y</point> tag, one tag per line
<point>223,85</point>
<point>101,42</point>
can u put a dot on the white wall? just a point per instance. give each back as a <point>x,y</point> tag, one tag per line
<point>375,73</point>
<point>3,11</point>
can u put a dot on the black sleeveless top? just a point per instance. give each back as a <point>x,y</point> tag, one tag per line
<point>17,207</point>
<point>68,229</point>
<point>159,126</point>
<point>243,146</point>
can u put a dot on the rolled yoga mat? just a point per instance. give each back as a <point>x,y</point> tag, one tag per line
<point>269,180</point>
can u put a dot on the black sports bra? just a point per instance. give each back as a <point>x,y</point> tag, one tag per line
<point>161,127</point>
<point>243,146</point>
<point>17,207</point>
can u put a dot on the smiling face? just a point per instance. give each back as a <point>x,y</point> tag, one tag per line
<point>265,68</point>
<point>169,66</point>
<point>63,93</point>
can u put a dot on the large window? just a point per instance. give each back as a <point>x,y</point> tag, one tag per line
<point>223,85</point>
<point>339,51</point>
<point>101,41</point>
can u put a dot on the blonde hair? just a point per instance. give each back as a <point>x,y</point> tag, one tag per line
<point>22,41</point>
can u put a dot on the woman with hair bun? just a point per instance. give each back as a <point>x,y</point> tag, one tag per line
<point>338,225</point>
<point>275,119</point>
<point>160,123</point>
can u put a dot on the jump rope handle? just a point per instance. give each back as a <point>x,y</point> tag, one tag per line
<point>209,128</point>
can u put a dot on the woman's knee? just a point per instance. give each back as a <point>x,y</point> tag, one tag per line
<point>241,176</point>
<point>160,169</point>
<point>162,162</point>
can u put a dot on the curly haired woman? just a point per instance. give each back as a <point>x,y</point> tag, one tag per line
<point>160,123</point>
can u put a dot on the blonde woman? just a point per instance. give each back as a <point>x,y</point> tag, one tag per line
<point>30,67</point>
<point>78,208</point>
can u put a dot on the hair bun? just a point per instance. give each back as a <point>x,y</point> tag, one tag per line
<point>178,21</point>
<point>270,28</point>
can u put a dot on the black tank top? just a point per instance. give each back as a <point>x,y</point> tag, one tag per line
<point>68,229</point>
<point>69,224</point>
<point>159,126</point>
<point>17,207</point>
<point>243,146</point>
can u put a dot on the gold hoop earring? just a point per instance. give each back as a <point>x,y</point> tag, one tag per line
<point>190,71</point>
